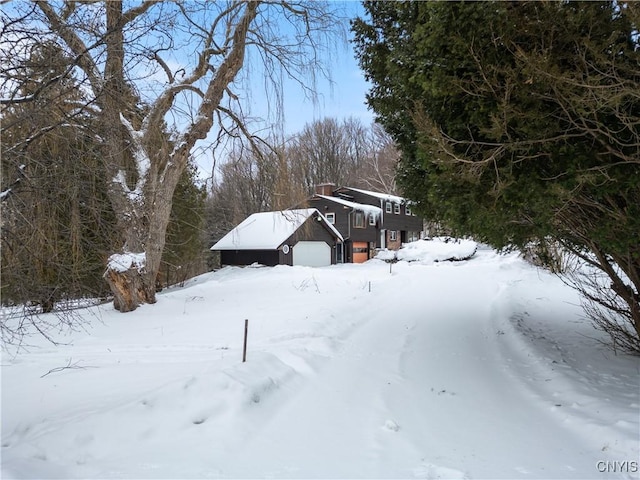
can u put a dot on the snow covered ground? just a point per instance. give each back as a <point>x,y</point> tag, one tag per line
<point>476,369</point>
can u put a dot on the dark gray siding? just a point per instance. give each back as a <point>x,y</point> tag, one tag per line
<point>402,221</point>
<point>247,257</point>
<point>345,220</point>
<point>325,206</point>
<point>312,230</point>
<point>390,221</point>
<point>357,197</point>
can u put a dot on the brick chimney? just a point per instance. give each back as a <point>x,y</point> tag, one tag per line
<point>325,189</point>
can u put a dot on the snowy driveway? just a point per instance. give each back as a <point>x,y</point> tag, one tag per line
<point>421,392</point>
<point>480,369</point>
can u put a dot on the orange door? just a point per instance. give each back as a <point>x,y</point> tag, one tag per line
<point>360,252</point>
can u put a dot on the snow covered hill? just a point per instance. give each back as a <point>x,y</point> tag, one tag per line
<point>476,369</point>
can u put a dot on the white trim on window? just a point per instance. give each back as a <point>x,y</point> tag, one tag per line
<point>407,209</point>
<point>393,235</point>
<point>358,219</point>
<point>396,208</point>
<point>331,218</point>
<point>372,219</point>
<point>387,207</point>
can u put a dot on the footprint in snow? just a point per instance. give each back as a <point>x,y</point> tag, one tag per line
<point>430,471</point>
<point>391,426</point>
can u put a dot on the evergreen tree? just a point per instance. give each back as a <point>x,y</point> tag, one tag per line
<point>185,252</point>
<point>57,227</point>
<point>519,122</point>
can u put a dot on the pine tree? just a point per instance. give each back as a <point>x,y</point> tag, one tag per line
<point>185,253</point>
<point>519,123</point>
<point>57,227</point>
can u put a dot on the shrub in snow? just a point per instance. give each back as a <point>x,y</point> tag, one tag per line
<point>435,250</point>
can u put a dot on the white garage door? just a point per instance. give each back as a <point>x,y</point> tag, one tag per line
<point>312,254</point>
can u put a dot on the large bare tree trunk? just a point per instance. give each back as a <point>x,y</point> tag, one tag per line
<point>144,210</point>
<point>126,271</point>
<point>143,165</point>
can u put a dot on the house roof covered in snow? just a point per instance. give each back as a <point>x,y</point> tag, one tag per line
<point>368,209</point>
<point>269,230</point>
<point>382,196</point>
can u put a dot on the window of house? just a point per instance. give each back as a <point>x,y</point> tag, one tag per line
<point>393,235</point>
<point>396,208</point>
<point>372,219</point>
<point>407,209</point>
<point>388,207</point>
<point>331,217</point>
<point>358,219</point>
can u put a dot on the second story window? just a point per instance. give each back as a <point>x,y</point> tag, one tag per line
<point>372,219</point>
<point>387,207</point>
<point>396,208</point>
<point>407,209</point>
<point>331,218</point>
<point>358,219</point>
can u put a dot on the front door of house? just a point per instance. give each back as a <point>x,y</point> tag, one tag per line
<point>360,252</point>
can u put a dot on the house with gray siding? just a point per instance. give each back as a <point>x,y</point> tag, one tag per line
<point>367,220</point>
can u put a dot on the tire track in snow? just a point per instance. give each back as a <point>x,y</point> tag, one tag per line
<point>457,377</point>
<point>387,401</point>
<point>546,366</point>
<point>355,425</point>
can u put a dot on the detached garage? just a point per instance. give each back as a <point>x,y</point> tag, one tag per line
<point>288,237</point>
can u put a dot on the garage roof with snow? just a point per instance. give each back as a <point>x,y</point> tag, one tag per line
<point>269,230</point>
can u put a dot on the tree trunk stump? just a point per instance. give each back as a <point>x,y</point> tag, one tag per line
<point>129,290</point>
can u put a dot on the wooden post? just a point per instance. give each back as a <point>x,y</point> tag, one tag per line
<point>244,348</point>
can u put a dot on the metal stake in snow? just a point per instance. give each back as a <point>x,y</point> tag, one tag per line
<point>391,261</point>
<point>244,348</point>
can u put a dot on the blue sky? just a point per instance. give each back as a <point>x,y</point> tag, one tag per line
<point>344,97</point>
<point>341,97</point>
